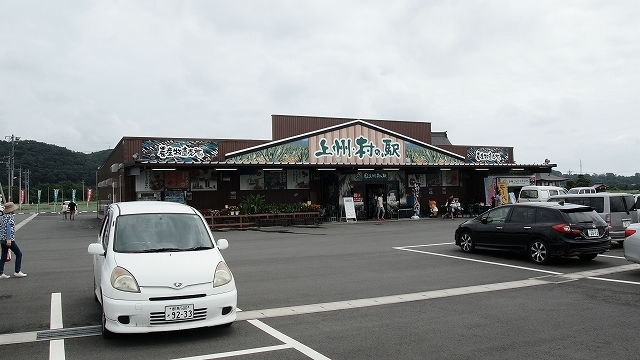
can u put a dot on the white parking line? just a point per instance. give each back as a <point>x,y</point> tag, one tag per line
<point>237,353</point>
<point>406,248</point>
<point>56,347</point>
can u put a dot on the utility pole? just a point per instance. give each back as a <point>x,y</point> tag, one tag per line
<point>13,140</point>
<point>82,190</point>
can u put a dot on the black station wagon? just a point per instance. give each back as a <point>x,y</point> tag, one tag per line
<point>542,230</point>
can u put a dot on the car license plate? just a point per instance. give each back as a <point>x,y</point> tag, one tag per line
<point>179,312</point>
<point>626,223</point>
<point>592,232</point>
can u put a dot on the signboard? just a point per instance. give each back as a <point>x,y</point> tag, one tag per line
<point>516,181</point>
<point>177,179</point>
<point>175,196</point>
<point>275,180</point>
<point>149,180</point>
<point>203,180</point>
<point>487,155</point>
<point>298,179</point>
<point>179,151</point>
<point>375,176</point>
<point>450,178</point>
<point>252,181</point>
<point>349,209</point>
<point>419,178</point>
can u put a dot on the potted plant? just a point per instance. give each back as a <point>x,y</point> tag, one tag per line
<point>234,210</point>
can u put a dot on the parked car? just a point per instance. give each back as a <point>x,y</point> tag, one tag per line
<point>531,193</point>
<point>617,209</point>
<point>631,245</point>
<point>156,267</point>
<point>542,230</point>
<point>637,199</point>
<point>582,190</point>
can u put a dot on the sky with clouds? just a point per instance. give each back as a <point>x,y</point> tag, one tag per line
<point>554,79</point>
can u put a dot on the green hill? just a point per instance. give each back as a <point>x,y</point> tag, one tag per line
<point>49,166</point>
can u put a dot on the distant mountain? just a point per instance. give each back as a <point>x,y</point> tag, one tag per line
<point>50,164</point>
<point>613,181</point>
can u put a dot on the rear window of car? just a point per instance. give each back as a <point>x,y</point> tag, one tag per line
<point>622,203</point>
<point>583,216</point>
<point>529,194</point>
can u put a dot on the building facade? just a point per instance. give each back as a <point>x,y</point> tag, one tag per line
<point>319,160</point>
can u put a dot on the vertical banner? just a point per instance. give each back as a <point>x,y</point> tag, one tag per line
<point>73,195</point>
<point>21,196</point>
<point>89,193</point>
<point>39,195</point>
<point>55,195</point>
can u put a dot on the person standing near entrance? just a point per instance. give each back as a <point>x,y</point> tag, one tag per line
<point>380,207</point>
<point>8,240</point>
<point>72,210</point>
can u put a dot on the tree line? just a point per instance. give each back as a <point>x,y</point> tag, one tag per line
<point>47,167</point>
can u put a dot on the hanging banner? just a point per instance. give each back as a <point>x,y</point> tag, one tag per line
<point>89,193</point>
<point>39,195</point>
<point>21,196</point>
<point>73,195</point>
<point>55,195</point>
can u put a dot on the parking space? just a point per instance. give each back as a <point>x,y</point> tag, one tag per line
<point>394,289</point>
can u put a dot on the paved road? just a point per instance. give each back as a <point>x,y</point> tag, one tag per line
<point>368,290</point>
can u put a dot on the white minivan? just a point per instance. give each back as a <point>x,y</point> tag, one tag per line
<point>156,267</point>
<point>539,193</point>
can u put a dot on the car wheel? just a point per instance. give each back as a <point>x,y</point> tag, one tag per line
<point>587,257</point>
<point>539,252</point>
<point>105,332</point>
<point>466,242</point>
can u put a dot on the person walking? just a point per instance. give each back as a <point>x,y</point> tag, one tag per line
<point>380,207</point>
<point>449,208</point>
<point>8,240</point>
<point>72,210</point>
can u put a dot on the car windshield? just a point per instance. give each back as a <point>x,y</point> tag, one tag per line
<point>160,232</point>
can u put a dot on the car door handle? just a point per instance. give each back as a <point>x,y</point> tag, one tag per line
<point>498,227</point>
<point>527,227</point>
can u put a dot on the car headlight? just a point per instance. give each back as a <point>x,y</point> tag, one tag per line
<point>222,275</point>
<point>122,280</point>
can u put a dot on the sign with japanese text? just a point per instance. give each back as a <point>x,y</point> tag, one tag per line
<point>183,151</point>
<point>487,155</point>
<point>150,180</point>
<point>298,179</point>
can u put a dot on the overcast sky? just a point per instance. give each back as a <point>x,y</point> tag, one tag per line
<point>554,79</point>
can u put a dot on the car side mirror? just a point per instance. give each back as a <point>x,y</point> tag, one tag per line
<point>222,244</point>
<point>96,249</point>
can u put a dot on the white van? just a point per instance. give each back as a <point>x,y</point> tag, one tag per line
<point>539,193</point>
<point>583,190</point>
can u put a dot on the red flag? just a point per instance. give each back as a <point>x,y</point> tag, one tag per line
<point>89,192</point>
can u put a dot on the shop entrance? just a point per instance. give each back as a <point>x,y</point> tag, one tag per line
<point>389,191</point>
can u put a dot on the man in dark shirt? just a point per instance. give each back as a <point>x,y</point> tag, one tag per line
<point>72,210</point>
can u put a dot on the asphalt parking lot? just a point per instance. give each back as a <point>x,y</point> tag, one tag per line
<point>395,289</point>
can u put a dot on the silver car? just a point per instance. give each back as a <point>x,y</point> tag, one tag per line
<point>631,245</point>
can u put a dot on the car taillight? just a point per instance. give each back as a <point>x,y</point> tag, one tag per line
<point>629,232</point>
<point>565,229</point>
